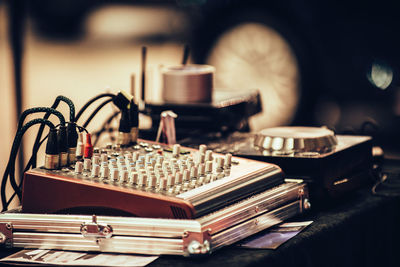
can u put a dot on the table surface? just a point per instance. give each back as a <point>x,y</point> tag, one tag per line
<point>360,229</point>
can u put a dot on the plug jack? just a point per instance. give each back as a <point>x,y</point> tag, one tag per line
<point>124,135</point>
<point>51,157</point>
<point>72,138</point>
<point>62,146</point>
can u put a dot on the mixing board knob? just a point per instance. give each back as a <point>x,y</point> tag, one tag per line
<point>178,178</point>
<point>176,150</point>
<point>104,170</point>
<point>142,180</point>
<point>202,149</point>
<point>209,166</point>
<point>148,157</point>
<point>114,174</point>
<point>163,184</point>
<point>170,180</point>
<point>135,156</point>
<point>96,151</point>
<point>193,172</point>
<point>228,160</point>
<point>104,157</point>
<point>96,160</point>
<point>149,169</point>
<point>95,170</point>
<point>160,160</point>
<point>190,164</point>
<point>186,177</point>
<point>78,167</point>
<point>127,156</point>
<point>120,159</point>
<point>209,156</point>
<point>87,164</point>
<point>133,178</point>
<point>208,178</point>
<point>159,176</point>
<point>201,158</point>
<point>200,181</point>
<point>202,169</point>
<point>123,176</point>
<point>220,163</point>
<point>152,182</point>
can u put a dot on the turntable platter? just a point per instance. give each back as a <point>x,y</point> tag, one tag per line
<point>296,139</point>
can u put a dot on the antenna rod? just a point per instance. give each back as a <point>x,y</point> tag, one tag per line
<point>144,53</point>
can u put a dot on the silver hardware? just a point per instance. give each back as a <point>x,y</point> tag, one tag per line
<point>96,230</point>
<point>309,141</point>
<point>196,248</point>
<point>6,235</point>
<point>3,238</point>
<point>195,243</point>
<point>306,204</point>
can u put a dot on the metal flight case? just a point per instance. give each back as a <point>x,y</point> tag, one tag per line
<point>152,235</point>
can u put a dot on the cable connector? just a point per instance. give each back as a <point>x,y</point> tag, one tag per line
<point>88,150</point>
<point>122,100</point>
<point>51,157</point>
<point>124,130</point>
<point>72,138</point>
<point>62,146</point>
<point>80,146</point>
<point>134,121</point>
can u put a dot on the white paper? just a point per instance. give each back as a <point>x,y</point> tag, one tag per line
<point>69,258</point>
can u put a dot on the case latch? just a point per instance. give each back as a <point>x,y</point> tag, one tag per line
<point>6,235</point>
<point>96,230</point>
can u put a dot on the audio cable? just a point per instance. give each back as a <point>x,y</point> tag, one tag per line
<point>91,101</point>
<point>33,161</point>
<point>9,173</point>
<point>48,111</point>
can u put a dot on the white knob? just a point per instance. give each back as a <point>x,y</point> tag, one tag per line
<point>87,164</point>
<point>78,167</point>
<point>95,170</point>
<point>202,149</point>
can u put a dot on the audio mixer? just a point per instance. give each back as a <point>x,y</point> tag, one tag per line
<point>148,180</point>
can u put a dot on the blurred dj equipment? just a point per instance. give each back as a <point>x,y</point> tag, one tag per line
<point>228,112</point>
<point>148,180</point>
<point>188,83</point>
<point>331,164</point>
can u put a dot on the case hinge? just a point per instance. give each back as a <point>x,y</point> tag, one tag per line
<point>96,230</point>
<point>6,235</point>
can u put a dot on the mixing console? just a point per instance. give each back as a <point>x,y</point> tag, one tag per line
<point>150,180</point>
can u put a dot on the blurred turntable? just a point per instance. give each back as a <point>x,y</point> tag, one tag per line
<point>331,164</point>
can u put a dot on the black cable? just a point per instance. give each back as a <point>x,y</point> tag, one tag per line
<point>90,102</point>
<point>104,127</point>
<point>46,116</point>
<point>10,169</point>
<point>29,164</point>
<point>96,111</point>
<point>81,129</point>
<point>37,110</point>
